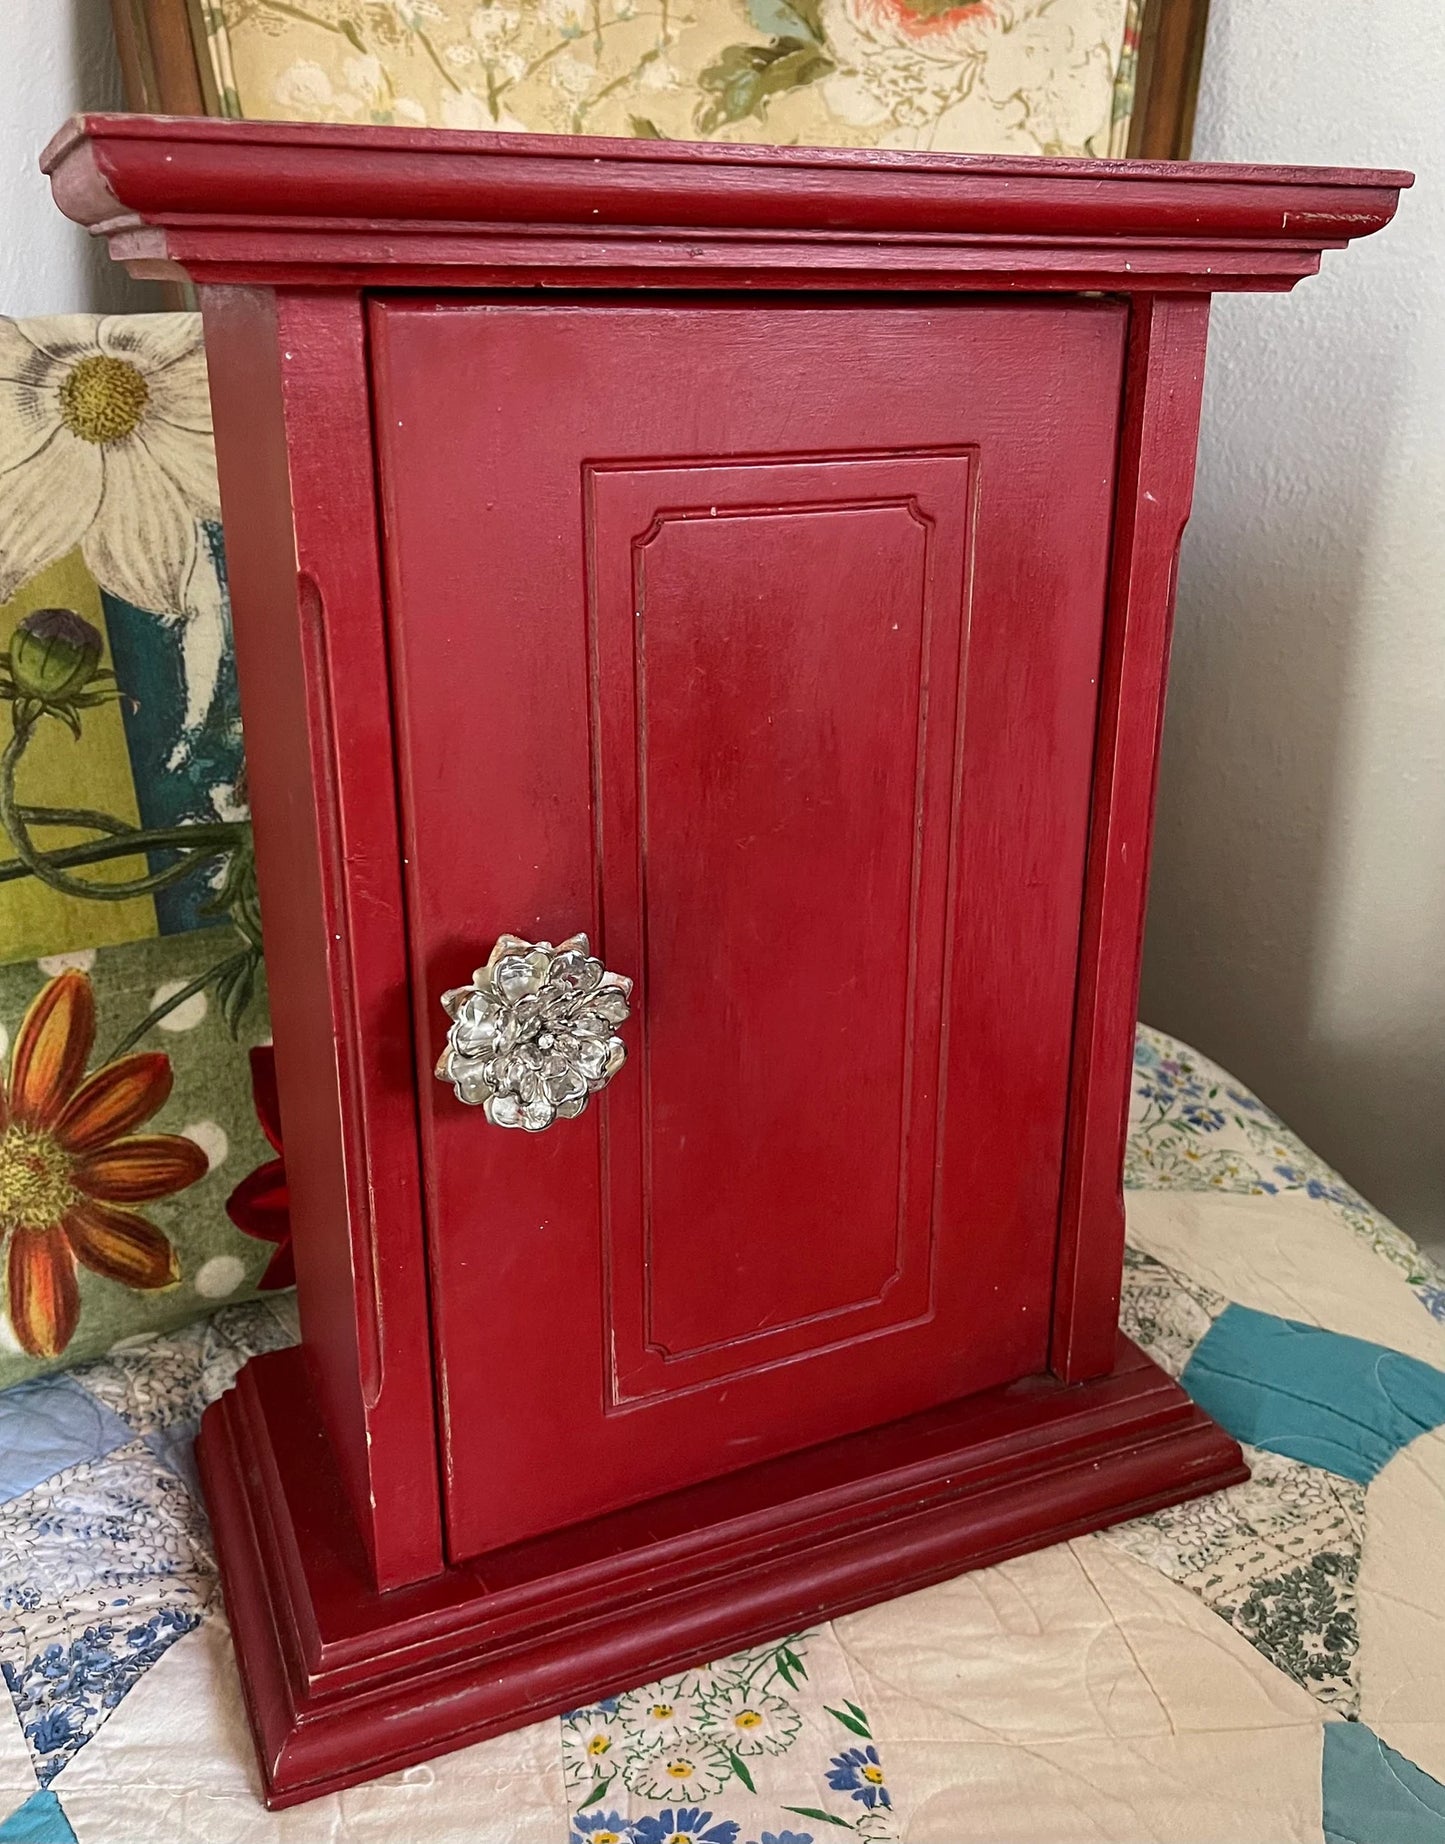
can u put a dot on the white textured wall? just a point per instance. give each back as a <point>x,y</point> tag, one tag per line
<point>1297,926</point>
<point>56,56</point>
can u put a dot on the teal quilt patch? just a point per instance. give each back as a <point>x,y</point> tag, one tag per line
<point>1371,1795</point>
<point>1341,1403</point>
<point>39,1821</point>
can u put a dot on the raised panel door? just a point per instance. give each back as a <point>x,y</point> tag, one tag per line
<point>762,643</point>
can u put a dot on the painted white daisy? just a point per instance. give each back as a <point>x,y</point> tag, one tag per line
<point>661,1710</point>
<point>684,1767</point>
<point>749,1721</point>
<point>105,443</point>
<point>592,1744</point>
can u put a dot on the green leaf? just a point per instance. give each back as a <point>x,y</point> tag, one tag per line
<point>745,76</point>
<point>816,1812</point>
<point>235,988</point>
<point>858,1724</point>
<point>789,1666</point>
<point>597,1792</point>
<point>643,129</point>
<point>740,1770</point>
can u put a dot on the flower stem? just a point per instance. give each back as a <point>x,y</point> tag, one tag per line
<point>166,1006</point>
<point>74,816</point>
<point>207,841</point>
<point>49,866</point>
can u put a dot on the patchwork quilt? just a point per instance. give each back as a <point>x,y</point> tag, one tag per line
<point>1265,1664</point>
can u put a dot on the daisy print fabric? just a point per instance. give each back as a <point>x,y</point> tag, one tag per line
<point>770,1744</point>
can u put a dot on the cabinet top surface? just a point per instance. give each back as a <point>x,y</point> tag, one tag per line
<point>307,203</point>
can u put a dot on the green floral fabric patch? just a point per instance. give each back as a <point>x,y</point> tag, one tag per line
<point>117,1157</point>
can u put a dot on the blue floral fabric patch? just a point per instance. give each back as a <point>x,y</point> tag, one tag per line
<point>63,1695</point>
<point>105,1557</point>
<point>1192,1127</point>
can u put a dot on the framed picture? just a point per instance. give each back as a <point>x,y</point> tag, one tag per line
<point>1063,77</point>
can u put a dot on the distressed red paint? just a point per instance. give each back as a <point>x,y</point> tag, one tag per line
<point>784,598</point>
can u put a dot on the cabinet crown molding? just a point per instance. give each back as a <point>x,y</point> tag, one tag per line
<point>327,205</point>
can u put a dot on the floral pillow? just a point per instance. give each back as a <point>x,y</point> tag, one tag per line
<point>139,1180</point>
<point>138,1187</point>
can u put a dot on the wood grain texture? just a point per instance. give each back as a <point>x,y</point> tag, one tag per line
<point>341,206</point>
<point>1170,57</point>
<point>290,398</point>
<point>342,1683</point>
<point>159,68</point>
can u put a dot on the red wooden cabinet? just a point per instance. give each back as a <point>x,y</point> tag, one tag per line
<point>761,561</point>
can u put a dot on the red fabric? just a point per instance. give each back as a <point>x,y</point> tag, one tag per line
<point>260,1205</point>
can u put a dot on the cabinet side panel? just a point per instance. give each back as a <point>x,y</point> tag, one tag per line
<point>1164,376</point>
<point>289,392</point>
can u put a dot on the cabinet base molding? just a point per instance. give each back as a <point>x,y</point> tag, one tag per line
<point>343,1683</point>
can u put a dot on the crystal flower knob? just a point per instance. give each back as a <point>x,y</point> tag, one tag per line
<point>535,1033</point>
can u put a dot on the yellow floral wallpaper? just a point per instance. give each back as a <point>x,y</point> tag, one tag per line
<point>990,76</point>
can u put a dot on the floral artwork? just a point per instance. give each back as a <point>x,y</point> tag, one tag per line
<point>116,1158</point>
<point>131,980</point>
<point>51,673</point>
<point>71,1167</point>
<point>991,76</point>
<point>108,446</point>
<point>122,791</point>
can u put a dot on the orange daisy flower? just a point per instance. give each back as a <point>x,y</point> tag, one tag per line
<point>69,1166</point>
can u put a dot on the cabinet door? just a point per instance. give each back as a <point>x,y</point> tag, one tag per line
<point>761,642</point>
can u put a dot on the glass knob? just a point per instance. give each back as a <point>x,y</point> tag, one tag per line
<point>535,1034</point>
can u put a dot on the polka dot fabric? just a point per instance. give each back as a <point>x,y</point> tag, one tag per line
<point>191,1101</point>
